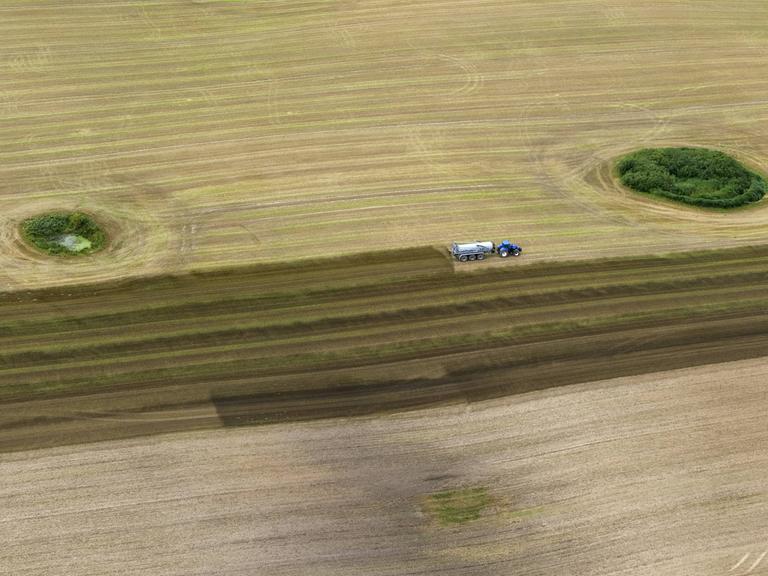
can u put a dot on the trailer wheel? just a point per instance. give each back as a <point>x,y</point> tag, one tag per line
<point>480,256</point>
<point>472,256</point>
<point>462,258</point>
<point>503,253</point>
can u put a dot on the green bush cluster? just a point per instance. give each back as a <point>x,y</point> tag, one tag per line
<point>45,232</point>
<point>694,176</point>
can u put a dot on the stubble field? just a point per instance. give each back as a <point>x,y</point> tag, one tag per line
<point>217,133</point>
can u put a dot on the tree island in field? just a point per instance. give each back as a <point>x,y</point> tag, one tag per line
<point>63,233</point>
<point>696,176</point>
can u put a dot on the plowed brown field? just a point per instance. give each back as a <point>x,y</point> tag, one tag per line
<point>662,474</point>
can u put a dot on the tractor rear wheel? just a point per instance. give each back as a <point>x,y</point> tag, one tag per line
<point>503,253</point>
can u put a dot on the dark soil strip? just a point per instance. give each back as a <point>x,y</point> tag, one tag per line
<point>354,336</point>
<point>552,364</point>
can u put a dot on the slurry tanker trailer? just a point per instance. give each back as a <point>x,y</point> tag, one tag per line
<point>478,250</point>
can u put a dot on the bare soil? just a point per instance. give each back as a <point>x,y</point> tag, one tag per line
<point>659,474</point>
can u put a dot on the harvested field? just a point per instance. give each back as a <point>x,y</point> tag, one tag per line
<point>279,181</point>
<point>357,335</point>
<point>222,133</point>
<point>660,474</point>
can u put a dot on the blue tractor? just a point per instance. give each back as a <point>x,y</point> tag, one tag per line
<point>506,248</point>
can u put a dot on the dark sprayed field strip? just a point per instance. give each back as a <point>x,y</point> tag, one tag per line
<point>374,332</point>
<point>280,319</point>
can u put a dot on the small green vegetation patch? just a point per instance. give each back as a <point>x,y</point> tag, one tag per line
<point>64,233</point>
<point>694,176</point>
<point>457,506</point>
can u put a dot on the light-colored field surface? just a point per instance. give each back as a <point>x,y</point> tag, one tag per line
<point>663,475</point>
<point>216,132</point>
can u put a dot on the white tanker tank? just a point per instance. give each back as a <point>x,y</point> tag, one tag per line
<point>472,250</point>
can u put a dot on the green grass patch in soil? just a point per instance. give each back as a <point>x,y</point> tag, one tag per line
<point>457,506</point>
<point>695,176</point>
<point>63,233</point>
